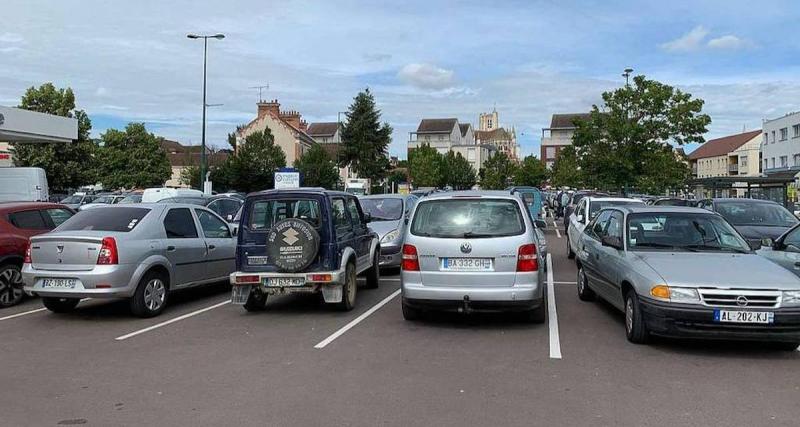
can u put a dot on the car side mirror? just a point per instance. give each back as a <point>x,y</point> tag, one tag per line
<point>612,241</point>
<point>755,244</point>
<point>539,223</point>
<point>581,219</point>
<point>234,229</point>
<point>367,217</point>
<point>229,218</point>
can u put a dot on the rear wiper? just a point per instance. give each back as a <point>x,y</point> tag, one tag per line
<point>471,234</point>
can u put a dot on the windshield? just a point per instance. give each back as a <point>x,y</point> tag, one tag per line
<point>104,199</point>
<point>107,219</point>
<point>468,218</point>
<point>682,231</point>
<point>596,205</point>
<point>383,209</point>
<point>71,200</point>
<point>133,198</point>
<point>265,213</point>
<point>756,213</point>
<point>190,200</point>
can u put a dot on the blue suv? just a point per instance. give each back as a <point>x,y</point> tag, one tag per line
<point>304,240</point>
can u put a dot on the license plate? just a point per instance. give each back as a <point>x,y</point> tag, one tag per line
<point>59,283</point>
<point>467,264</point>
<point>284,282</point>
<point>732,316</point>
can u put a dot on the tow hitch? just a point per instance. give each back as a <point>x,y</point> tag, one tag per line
<point>465,308</point>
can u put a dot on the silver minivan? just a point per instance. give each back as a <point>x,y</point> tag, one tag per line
<point>472,251</point>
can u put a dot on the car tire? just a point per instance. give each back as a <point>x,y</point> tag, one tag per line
<point>584,292</point>
<point>11,292</point>
<point>570,254</point>
<point>60,305</point>
<point>256,301</point>
<point>410,313</point>
<point>635,327</point>
<point>538,314</point>
<point>349,289</point>
<point>785,346</point>
<point>151,295</point>
<point>374,273</point>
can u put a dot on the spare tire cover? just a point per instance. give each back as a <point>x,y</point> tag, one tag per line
<point>292,244</point>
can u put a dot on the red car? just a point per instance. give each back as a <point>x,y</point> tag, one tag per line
<point>18,222</point>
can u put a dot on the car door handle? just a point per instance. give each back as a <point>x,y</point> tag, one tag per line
<point>211,247</point>
<point>170,248</point>
<point>797,264</point>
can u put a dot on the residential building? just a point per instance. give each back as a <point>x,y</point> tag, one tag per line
<point>490,132</point>
<point>559,135</point>
<point>328,136</point>
<point>287,127</point>
<point>183,156</point>
<point>780,145</point>
<point>449,135</point>
<point>732,155</point>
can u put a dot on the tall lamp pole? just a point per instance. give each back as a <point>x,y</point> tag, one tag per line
<point>627,75</point>
<point>218,36</point>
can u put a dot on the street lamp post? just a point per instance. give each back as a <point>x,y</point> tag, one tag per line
<point>627,74</point>
<point>203,166</point>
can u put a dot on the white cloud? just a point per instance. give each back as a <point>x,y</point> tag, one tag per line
<point>11,38</point>
<point>730,42</point>
<point>426,76</point>
<point>687,42</point>
<point>101,91</point>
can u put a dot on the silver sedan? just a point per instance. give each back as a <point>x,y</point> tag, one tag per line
<point>389,213</point>
<point>141,252</point>
<point>686,272</point>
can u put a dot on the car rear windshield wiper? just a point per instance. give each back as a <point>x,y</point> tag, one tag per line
<point>472,234</point>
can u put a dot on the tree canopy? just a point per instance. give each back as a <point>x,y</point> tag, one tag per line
<point>456,172</point>
<point>253,166</point>
<point>365,142</point>
<point>424,166</point>
<point>531,172</point>
<point>565,171</point>
<point>132,158</point>
<point>317,169</point>
<point>498,172</point>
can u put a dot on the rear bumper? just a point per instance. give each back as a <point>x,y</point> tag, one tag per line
<point>331,289</point>
<point>690,321</point>
<point>518,297</point>
<point>119,277</point>
<point>470,306</point>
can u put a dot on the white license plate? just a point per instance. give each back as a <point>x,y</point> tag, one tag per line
<point>284,282</point>
<point>467,264</point>
<point>735,316</point>
<point>59,283</point>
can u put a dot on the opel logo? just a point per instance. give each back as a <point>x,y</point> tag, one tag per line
<point>466,247</point>
<point>741,301</point>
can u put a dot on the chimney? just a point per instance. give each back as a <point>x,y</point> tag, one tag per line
<point>270,106</point>
<point>303,125</point>
<point>291,117</point>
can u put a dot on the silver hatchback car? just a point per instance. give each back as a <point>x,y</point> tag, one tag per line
<point>472,251</point>
<point>140,252</point>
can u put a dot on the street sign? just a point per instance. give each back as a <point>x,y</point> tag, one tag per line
<point>285,180</point>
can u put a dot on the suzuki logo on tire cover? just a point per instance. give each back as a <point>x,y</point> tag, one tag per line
<point>290,236</point>
<point>466,247</point>
<point>292,244</point>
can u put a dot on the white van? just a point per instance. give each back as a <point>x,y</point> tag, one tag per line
<point>153,195</point>
<point>23,185</point>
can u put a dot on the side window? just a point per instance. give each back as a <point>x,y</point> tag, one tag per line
<point>581,209</point>
<point>340,219</point>
<point>28,220</point>
<point>58,216</point>
<point>355,211</point>
<point>599,226</point>
<point>215,206</point>
<point>614,228</point>
<point>179,224</point>
<point>792,241</point>
<point>230,207</point>
<point>213,227</point>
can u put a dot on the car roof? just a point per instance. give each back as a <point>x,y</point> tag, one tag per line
<point>302,190</point>
<point>472,193</point>
<point>745,200</point>
<point>612,199</point>
<point>387,196</point>
<point>6,207</point>
<point>657,209</point>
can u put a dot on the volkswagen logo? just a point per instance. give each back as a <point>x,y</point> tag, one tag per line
<point>466,247</point>
<point>60,248</point>
<point>741,301</point>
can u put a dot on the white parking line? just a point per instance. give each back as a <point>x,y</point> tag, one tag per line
<point>25,313</point>
<point>552,320</point>
<point>356,321</point>
<point>171,321</point>
<point>555,227</point>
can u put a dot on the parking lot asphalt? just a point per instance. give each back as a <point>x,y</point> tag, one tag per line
<point>207,362</point>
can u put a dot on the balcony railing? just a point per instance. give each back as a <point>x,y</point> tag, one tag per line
<point>733,168</point>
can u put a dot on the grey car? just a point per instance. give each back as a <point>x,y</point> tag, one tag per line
<point>785,251</point>
<point>141,252</point>
<point>472,251</point>
<point>757,220</point>
<point>686,272</point>
<point>389,213</point>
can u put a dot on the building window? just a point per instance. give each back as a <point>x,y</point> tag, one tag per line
<point>772,140</point>
<point>784,161</point>
<point>772,163</point>
<point>796,130</point>
<point>766,138</point>
<point>471,154</point>
<point>796,159</point>
<point>743,161</point>
<point>784,134</point>
<point>550,153</point>
<point>766,166</point>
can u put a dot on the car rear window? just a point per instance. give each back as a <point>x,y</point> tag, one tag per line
<point>122,219</point>
<point>468,218</point>
<point>265,213</point>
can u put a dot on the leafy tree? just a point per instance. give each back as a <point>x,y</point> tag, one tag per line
<point>498,170</point>
<point>190,175</point>
<point>253,166</point>
<point>456,172</point>
<point>565,171</point>
<point>317,168</point>
<point>397,176</point>
<point>619,146</point>
<point>424,166</point>
<point>365,141</point>
<point>531,171</point>
<point>132,158</point>
<point>68,165</point>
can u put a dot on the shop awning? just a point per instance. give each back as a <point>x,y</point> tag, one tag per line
<point>17,125</point>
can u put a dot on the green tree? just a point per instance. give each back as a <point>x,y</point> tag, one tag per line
<point>365,142</point>
<point>565,171</point>
<point>317,169</point>
<point>619,145</point>
<point>254,165</point>
<point>397,176</point>
<point>132,158</point>
<point>531,172</point>
<point>425,166</point>
<point>67,165</point>
<point>498,171</point>
<point>190,175</point>
<point>456,172</point>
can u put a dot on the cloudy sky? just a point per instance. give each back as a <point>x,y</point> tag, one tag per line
<point>131,61</point>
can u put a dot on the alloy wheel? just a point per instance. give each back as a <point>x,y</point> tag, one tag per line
<point>154,294</point>
<point>629,315</point>
<point>10,287</point>
<point>581,280</point>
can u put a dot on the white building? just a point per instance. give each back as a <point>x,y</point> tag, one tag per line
<point>559,135</point>
<point>733,155</point>
<point>780,145</point>
<point>448,135</point>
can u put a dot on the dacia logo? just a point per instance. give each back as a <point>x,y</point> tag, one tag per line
<point>290,236</point>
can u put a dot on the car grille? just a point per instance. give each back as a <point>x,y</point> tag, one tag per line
<point>740,298</point>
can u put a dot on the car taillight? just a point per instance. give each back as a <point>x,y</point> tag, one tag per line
<point>410,259</point>
<point>108,252</point>
<point>27,259</point>
<point>247,280</point>
<point>526,258</point>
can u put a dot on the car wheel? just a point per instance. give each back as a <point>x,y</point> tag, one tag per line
<point>151,295</point>
<point>410,313</point>
<point>256,301</point>
<point>60,305</point>
<point>349,289</point>
<point>11,292</point>
<point>570,254</point>
<point>635,328</point>
<point>785,346</point>
<point>374,273</point>
<point>538,314</point>
<point>584,292</point>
